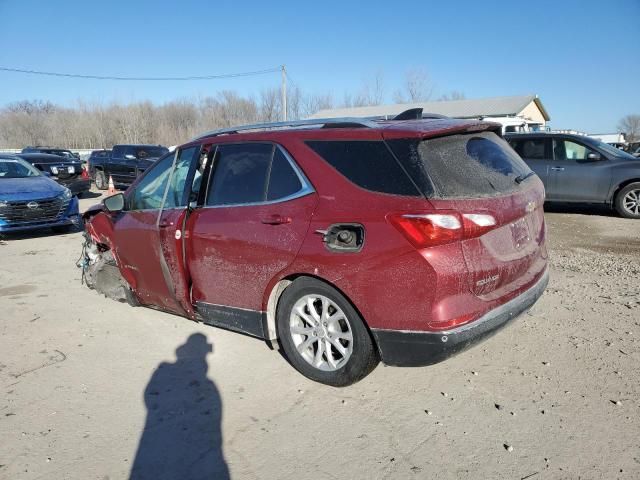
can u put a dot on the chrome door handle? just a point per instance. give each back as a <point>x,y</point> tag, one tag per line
<point>557,169</point>
<point>276,220</point>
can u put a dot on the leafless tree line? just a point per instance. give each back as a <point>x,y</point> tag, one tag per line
<point>96,125</point>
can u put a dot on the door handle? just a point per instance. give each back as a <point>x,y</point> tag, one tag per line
<point>557,169</point>
<point>276,220</point>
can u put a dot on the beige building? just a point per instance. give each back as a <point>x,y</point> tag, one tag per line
<point>515,113</point>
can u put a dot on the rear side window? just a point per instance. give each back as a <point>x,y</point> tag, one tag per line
<point>283,180</point>
<point>368,164</point>
<point>252,173</point>
<point>531,148</point>
<point>471,165</point>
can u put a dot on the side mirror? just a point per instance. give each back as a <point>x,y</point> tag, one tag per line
<point>114,203</point>
<point>594,157</point>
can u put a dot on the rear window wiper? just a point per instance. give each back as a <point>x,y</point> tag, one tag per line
<point>521,178</point>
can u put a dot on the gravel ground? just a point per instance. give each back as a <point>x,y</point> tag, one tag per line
<point>92,388</point>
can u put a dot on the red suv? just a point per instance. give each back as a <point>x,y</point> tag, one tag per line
<point>343,242</point>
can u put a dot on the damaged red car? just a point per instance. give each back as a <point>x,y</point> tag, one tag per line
<point>342,242</point>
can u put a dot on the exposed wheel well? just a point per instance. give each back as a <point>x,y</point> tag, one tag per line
<point>620,187</point>
<point>271,335</point>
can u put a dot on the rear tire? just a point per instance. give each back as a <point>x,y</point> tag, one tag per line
<point>322,335</point>
<point>101,181</point>
<point>627,201</point>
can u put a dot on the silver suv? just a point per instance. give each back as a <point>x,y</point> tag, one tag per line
<point>580,169</point>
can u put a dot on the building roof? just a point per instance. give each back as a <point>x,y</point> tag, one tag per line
<point>472,108</point>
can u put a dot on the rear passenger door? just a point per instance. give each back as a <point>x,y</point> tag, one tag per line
<point>249,227</point>
<point>536,152</point>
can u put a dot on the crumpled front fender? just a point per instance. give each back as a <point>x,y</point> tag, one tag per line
<point>100,228</point>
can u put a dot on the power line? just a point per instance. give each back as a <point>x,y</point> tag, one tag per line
<point>108,77</point>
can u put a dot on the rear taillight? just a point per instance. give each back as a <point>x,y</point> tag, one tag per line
<point>85,174</point>
<point>430,229</point>
<point>476,224</point>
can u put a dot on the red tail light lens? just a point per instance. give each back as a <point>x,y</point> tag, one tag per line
<point>430,229</point>
<point>85,174</point>
<point>476,224</point>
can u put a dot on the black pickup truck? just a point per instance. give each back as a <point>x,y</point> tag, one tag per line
<point>123,164</point>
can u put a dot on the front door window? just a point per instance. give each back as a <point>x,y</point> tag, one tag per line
<point>568,150</point>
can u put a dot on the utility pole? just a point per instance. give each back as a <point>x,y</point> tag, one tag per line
<point>284,93</point>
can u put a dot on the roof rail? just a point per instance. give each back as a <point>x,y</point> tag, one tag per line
<point>346,122</point>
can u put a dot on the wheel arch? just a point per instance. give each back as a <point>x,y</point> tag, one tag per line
<point>271,331</point>
<point>620,186</point>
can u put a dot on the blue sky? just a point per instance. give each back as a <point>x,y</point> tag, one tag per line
<point>581,57</point>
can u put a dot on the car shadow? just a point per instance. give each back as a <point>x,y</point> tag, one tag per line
<point>90,194</point>
<point>39,233</point>
<point>581,209</point>
<point>182,436</point>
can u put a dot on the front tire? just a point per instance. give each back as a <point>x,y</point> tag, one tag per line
<point>101,181</point>
<point>627,201</point>
<point>322,334</point>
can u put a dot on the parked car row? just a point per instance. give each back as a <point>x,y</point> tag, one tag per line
<point>37,185</point>
<point>30,199</point>
<point>123,163</point>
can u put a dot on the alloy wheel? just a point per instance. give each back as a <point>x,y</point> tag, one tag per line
<point>321,332</point>
<point>631,202</point>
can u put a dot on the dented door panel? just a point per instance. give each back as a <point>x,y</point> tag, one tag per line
<point>234,252</point>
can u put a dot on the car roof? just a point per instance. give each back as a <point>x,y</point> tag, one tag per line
<point>344,128</point>
<point>57,149</point>
<point>46,157</point>
<point>545,134</point>
<point>138,145</point>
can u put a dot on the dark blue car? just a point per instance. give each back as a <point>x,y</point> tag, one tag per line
<point>31,200</point>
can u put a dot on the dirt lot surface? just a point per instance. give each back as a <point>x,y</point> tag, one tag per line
<point>92,388</point>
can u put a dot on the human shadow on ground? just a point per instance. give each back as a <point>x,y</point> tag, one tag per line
<point>182,436</point>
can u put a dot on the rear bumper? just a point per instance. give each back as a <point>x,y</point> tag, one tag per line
<point>416,349</point>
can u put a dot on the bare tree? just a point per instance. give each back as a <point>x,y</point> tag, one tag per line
<point>417,87</point>
<point>270,107</point>
<point>630,126</point>
<point>371,93</point>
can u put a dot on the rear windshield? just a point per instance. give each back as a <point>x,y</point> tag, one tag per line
<point>141,152</point>
<point>147,152</point>
<point>462,166</point>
